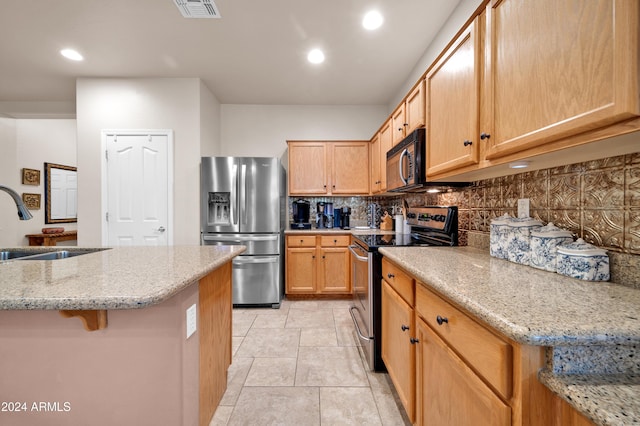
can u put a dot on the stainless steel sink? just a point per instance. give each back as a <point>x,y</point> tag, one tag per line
<point>47,255</point>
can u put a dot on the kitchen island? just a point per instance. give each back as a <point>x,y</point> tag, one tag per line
<point>139,365</point>
<point>590,331</point>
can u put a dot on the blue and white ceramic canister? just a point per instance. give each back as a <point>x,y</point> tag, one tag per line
<point>498,233</point>
<point>544,243</point>
<point>519,239</point>
<point>583,260</point>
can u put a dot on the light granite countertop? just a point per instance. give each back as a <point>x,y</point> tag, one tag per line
<point>354,231</point>
<point>528,305</point>
<point>116,278</point>
<point>589,325</point>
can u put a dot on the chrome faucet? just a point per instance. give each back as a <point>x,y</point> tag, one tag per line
<point>23,212</point>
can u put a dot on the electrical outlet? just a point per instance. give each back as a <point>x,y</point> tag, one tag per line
<point>191,320</point>
<point>523,207</point>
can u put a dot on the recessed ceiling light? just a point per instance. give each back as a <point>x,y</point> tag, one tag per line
<point>315,56</point>
<point>71,54</point>
<point>372,20</point>
<point>519,164</point>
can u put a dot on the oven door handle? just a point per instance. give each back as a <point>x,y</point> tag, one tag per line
<point>353,317</point>
<point>357,256</point>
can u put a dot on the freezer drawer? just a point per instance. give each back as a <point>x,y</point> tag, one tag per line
<point>257,244</point>
<point>257,280</point>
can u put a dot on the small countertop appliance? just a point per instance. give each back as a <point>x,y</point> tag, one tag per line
<point>301,214</point>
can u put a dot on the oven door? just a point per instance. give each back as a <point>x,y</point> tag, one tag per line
<point>362,308</point>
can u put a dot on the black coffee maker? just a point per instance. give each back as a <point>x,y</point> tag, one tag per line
<point>345,213</point>
<point>301,214</point>
<point>324,212</point>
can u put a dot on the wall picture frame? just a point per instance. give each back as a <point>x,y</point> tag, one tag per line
<point>31,201</point>
<point>30,176</point>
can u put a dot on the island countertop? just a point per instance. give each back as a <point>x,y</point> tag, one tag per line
<point>528,305</point>
<point>115,278</point>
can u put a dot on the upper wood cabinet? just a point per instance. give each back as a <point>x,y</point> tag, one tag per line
<point>410,113</point>
<point>453,96</point>
<point>380,144</point>
<point>531,77</point>
<point>328,168</point>
<point>558,68</point>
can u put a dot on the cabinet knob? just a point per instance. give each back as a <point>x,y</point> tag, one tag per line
<point>440,320</point>
<point>467,143</point>
<point>399,129</point>
<point>484,136</point>
<point>404,327</point>
<point>413,340</point>
<point>405,124</point>
<point>390,276</point>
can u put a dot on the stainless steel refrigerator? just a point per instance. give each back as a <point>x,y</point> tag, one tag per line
<point>243,203</point>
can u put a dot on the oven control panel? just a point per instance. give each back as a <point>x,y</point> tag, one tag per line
<point>431,217</point>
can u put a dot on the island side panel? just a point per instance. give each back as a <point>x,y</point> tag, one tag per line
<point>141,369</point>
<point>215,310</point>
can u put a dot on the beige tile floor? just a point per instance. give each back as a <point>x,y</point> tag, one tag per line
<point>299,365</point>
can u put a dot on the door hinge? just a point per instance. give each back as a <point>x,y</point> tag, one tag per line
<point>106,216</point>
<point>106,155</point>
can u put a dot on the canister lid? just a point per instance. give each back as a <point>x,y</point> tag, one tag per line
<point>524,222</point>
<point>550,231</point>
<point>502,220</point>
<point>581,248</point>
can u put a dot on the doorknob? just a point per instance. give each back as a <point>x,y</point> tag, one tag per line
<point>161,229</point>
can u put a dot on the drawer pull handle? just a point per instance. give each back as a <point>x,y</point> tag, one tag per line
<point>414,341</point>
<point>440,320</point>
<point>404,327</point>
<point>390,276</point>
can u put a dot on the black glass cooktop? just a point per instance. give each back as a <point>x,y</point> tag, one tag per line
<point>404,240</point>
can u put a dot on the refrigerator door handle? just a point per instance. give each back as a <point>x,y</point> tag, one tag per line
<point>234,202</point>
<point>243,194</point>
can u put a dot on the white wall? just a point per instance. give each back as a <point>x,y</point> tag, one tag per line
<point>150,103</point>
<point>263,130</point>
<point>29,144</point>
<point>209,123</point>
<point>9,176</point>
<point>454,23</point>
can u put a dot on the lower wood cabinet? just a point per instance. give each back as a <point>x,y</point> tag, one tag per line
<point>448,390</point>
<point>398,353</point>
<point>318,264</point>
<point>451,369</point>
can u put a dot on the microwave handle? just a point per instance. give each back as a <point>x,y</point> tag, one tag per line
<point>405,153</point>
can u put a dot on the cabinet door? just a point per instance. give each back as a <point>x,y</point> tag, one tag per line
<point>415,108</point>
<point>307,168</point>
<point>386,143</point>
<point>301,270</point>
<point>350,174</point>
<point>398,124</point>
<point>452,106</point>
<point>448,391</point>
<point>375,156</point>
<point>559,68</point>
<point>398,353</point>
<point>333,270</point>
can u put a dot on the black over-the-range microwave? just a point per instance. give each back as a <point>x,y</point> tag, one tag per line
<point>406,166</point>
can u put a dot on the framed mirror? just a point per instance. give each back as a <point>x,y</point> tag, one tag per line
<point>61,193</point>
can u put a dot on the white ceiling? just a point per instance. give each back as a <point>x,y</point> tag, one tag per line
<point>255,54</point>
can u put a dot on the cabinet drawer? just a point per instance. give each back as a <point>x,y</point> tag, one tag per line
<point>398,280</point>
<point>486,353</point>
<point>301,241</point>
<point>334,240</point>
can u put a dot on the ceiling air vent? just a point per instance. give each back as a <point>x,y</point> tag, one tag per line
<point>197,8</point>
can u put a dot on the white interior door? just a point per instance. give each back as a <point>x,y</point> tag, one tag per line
<point>138,189</point>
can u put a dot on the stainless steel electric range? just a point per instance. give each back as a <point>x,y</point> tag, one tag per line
<point>430,226</point>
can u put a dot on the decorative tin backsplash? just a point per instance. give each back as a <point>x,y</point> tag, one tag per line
<point>598,201</point>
